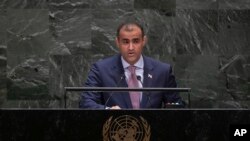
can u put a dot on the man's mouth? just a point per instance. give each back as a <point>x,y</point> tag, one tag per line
<point>131,54</point>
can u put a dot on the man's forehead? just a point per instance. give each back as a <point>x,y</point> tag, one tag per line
<point>130,28</point>
<point>130,35</point>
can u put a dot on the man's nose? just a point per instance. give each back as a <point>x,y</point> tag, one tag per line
<point>131,46</point>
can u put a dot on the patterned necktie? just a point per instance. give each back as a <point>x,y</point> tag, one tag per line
<point>133,83</point>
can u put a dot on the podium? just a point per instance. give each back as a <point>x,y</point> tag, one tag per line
<point>125,89</point>
<point>85,125</point>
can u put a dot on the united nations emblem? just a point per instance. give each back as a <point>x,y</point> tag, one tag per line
<point>126,128</point>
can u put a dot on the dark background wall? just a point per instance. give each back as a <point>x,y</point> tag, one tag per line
<point>48,44</point>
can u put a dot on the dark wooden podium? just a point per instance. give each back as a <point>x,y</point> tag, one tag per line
<point>96,125</point>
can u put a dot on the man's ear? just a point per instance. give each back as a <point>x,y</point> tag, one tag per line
<point>117,42</point>
<point>145,40</point>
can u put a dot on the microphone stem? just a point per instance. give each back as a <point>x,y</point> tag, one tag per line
<point>111,94</point>
<point>148,96</point>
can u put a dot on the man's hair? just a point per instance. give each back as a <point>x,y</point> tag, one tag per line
<point>128,24</point>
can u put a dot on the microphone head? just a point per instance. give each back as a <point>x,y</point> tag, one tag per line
<point>138,77</point>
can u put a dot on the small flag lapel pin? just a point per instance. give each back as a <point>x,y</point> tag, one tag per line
<point>150,76</point>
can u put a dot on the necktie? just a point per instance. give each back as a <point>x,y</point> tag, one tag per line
<point>133,83</point>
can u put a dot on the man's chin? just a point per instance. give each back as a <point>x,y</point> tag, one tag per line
<point>131,61</point>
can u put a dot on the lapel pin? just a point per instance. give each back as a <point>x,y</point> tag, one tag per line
<point>150,76</point>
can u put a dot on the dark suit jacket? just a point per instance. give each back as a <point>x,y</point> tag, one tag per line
<point>110,73</point>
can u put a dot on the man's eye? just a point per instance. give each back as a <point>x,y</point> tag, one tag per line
<point>136,41</point>
<point>125,41</point>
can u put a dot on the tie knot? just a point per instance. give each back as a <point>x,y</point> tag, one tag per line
<point>132,69</point>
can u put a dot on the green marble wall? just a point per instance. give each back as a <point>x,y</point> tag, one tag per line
<point>46,45</point>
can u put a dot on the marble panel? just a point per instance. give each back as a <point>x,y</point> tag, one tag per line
<point>197,4</point>
<point>156,4</point>
<point>197,32</point>
<point>234,32</point>
<point>49,44</point>
<point>234,4</point>
<point>67,71</point>
<point>103,30</point>
<point>112,4</point>
<point>3,57</point>
<point>24,4</point>
<point>209,84</point>
<point>69,4</point>
<point>28,103</point>
<point>29,44</point>
<point>236,71</point>
<point>71,30</point>
<point>161,34</point>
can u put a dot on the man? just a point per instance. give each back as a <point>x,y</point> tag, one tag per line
<point>129,69</point>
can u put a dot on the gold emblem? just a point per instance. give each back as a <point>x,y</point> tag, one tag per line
<point>126,128</point>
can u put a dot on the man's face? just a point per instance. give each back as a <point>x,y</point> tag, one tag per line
<point>131,42</point>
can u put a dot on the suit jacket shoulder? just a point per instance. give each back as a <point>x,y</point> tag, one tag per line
<point>109,62</point>
<point>156,65</point>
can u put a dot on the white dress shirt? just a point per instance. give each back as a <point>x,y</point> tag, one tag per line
<point>138,71</point>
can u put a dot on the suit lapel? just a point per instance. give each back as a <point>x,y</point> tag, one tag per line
<point>147,80</point>
<point>119,72</point>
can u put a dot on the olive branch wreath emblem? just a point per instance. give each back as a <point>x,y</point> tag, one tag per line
<point>146,127</point>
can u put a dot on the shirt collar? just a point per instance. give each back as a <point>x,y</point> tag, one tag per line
<point>138,64</point>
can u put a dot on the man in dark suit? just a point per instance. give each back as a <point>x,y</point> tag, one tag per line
<point>116,71</point>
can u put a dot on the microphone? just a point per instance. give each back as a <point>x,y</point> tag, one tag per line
<point>149,101</point>
<point>139,78</point>
<point>111,94</point>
